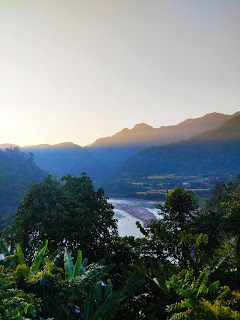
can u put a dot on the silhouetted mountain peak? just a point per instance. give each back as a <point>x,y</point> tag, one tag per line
<point>123,131</point>
<point>142,127</point>
<point>207,118</point>
<point>214,115</point>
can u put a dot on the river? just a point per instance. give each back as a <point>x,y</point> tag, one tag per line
<point>128,211</point>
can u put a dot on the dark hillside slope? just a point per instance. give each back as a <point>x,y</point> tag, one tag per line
<point>17,172</point>
<point>212,153</point>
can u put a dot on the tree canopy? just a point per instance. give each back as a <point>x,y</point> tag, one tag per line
<point>69,213</point>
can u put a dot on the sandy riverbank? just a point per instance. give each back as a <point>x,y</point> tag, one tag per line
<point>137,212</point>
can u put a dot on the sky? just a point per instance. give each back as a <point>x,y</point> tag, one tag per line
<point>77,70</point>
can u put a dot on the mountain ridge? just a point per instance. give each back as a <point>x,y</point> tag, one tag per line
<point>215,119</point>
<point>210,153</point>
<point>143,135</point>
<point>68,157</point>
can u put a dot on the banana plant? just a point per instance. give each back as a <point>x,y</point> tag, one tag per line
<point>37,261</point>
<point>23,270</point>
<point>74,270</point>
<point>107,299</point>
<point>101,300</point>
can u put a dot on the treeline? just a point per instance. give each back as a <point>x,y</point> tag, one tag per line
<point>186,265</point>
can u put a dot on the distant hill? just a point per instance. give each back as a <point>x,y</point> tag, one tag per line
<point>8,146</point>
<point>105,157</point>
<point>143,135</point>
<point>66,158</point>
<point>214,152</point>
<point>63,145</point>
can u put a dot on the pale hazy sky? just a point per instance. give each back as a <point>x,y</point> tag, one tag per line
<point>76,70</point>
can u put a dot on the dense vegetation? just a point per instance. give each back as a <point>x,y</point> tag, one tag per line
<point>187,265</point>
<point>67,213</point>
<point>17,173</point>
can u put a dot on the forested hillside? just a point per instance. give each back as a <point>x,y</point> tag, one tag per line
<point>18,172</point>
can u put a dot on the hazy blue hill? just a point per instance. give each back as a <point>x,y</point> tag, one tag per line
<point>59,146</point>
<point>211,153</point>
<point>66,158</point>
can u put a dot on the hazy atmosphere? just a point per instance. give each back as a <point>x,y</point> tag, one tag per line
<point>120,159</point>
<point>84,69</point>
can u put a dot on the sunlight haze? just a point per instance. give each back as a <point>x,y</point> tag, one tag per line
<point>78,70</point>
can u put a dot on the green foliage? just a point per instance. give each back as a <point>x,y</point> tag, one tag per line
<point>174,272</point>
<point>14,303</point>
<point>69,214</point>
<point>38,259</point>
<point>179,207</point>
<point>4,249</point>
<point>76,270</point>
<point>192,290</point>
<point>17,173</point>
<point>169,234</point>
<point>44,290</point>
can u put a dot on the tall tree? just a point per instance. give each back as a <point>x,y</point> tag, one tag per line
<point>167,232</point>
<point>71,213</point>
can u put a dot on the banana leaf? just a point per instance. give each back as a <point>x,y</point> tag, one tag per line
<point>78,265</point>
<point>68,263</point>
<point>37,261</point>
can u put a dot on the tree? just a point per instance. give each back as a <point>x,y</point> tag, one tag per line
<point>166,233</point>
<point>179,207</point>
<point>233,219</point>
<point>71,213</point>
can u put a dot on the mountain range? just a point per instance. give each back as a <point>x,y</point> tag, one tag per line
<point>213,152</point>
<point>143,135</point>
<point>142,149</point>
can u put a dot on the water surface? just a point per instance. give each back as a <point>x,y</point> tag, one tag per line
<point>126,221</point>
